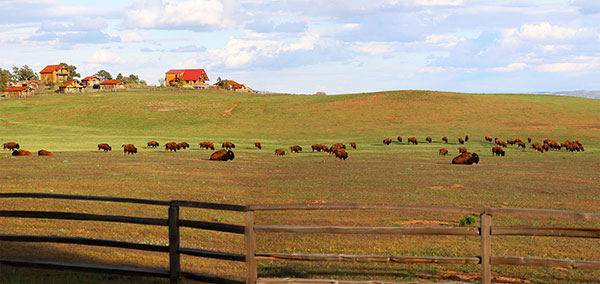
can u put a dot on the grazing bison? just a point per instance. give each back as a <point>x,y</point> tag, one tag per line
<point>325,148</point>
<point>153,144</point>
<point>413,140</point>
<point>207,145</point>
<point>353,145</point>
<point>511,141</point>
<point>104,147</point>
<point>467,138</point>
<point>11,146</point>
<point>21,152</point>
<point>518,140</point>
<point>501,143</point>
<point>257,145</point>
<point>222,155</point>
<point>462,150</point>
<point>429,139</point>
<point>529,139</point>
<point>461,141</point>
<point>295,148</point>
<point>227,145</point>
<point>521,144</point>
<point>341,154</point>
<point>279,152</point>
<point>172,146</point>
<point>466,159</point>
<point>538,147</point>
<point>445,139</point>
<point>488,138</point>
<point>184,145</point>
<point>399,139</point>
<point>128,149</point>
<point>317,147</point>
<point>45,153</point>
<point>443,151</point>
<point>341,145</point>
<point>498,151</point>
<point>387,141</point>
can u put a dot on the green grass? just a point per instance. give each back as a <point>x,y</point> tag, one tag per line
<point>72,125</point>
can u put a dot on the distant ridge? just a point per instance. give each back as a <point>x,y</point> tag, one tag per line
<point>579,93</point>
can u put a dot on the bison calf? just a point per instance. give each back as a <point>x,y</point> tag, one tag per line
<point>104,147</point>
<point>257,145</point>
<point>353,145</point>
<point>279,152</point>
<point>462,150</point>
<point>153,144</point>
<point>228,145</point>
<point>443,152</point>
<point>222,155</point>
<point>207,145</point>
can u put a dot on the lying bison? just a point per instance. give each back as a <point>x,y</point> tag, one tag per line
<point>153,144</point>
<point>172,146</point>
<point>257,145</point>
<point>443,152</point>
<point>222,155</point>
<point>45,153</point>
<point>466,159</point>
<point>21,152</point>
<point>295,148</point>
<point>207,145</point>
<point>498,151</point>
<point>228,145</point>
<point>128,149</point>
<point>11,146</point>
<point>387,141</point>
<point>279,152</point>
<point>413,140</point>
<point>104,147</point>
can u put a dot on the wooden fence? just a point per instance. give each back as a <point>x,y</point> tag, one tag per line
<point>485,232</point>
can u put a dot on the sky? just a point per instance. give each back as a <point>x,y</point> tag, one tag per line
<point>308,46</point>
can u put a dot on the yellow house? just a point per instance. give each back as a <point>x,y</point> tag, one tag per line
<point>91,81</point>
<point>112,85</point>
<point>186,77</point>
<point>71,86</point>
<point>54,73</point>
<point>24,91</point>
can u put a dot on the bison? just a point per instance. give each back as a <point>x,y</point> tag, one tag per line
<point>104,147</point>
<point>325,148</point>
<point>387,141</point>
<point>511,141</point>
<point>445,139</point>
<point>501,143</point>
<point>279,152</point>
<point>353,145</point>
<point>172,146</point>
<point>222,155</point>
<point>295,148</point>
<point>461,141</point>
<point>538,147</point>
<point>227,145</point>
<point>488,138</point>
<point>466,159</point>
<point>413,140</point>
<point>11,146</point>
<point>45,153</point>
<point>498,151</point>
<point>21,152</point>
<point>257,145</point>
<point>341,154</point>
<point>184,145</point>
<point>521,144</point>
<point>443,151</point>
<point>317,147</point>
<point>467,138</point>
<point>207,145</point>
<point>128,149</point>
<point>462,150</point>
<point>529,139</point>
<point>429,139</point>
<point>399,139</point>
<point>153,144</point>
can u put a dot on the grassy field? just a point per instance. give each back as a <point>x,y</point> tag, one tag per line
<point>72,125</point>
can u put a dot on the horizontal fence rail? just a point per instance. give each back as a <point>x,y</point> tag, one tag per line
<point>486,231</point>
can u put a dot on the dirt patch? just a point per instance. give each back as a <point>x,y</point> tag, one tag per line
<point>105,107</point>
<point>316,201</point>
<point>426,222</point>
<point>230,111</point>
<point>464,276</point>
<point>451,187</point>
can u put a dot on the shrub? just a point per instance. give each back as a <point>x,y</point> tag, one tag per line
<point>468,221</point>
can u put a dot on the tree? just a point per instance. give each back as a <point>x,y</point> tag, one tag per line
<point>4,79</point>
<point>133,79</point>
<point>72,71</point>
<point>223,84</point>
<point>103,75</point>
<point>23,74</point>
<point>119,77</point>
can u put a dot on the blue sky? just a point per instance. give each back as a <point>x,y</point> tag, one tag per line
<point>305,46</point>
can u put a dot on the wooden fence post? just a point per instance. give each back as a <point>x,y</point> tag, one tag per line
<point>251,270</point>
<point>174,264</point>
<point>486,248</point>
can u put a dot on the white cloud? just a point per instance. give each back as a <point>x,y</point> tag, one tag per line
<point>511,67</point>
<point>131,37</point>
<point>375,47</point>
<point>104,57</point>
<point>443,40</point>
<point>439,2</point>
<point>581,67</point>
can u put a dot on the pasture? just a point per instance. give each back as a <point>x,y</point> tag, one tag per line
<point>72,125</point>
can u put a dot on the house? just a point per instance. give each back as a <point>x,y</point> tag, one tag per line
<point>238,87</point>
<point>186,77</point>
<point>32,84</point>
<point>54,73</point>
<point>22,91</point>
<point>112,85</point>
<point>91,81</point>
<point>71,86</point>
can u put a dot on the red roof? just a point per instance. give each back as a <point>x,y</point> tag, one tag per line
<point>111,82</point>
<point>51,68</point>
<point>234,85</point>
<point>14,89</point>
<point>66,84</point>
<point>175,71</point>
<point>89,78</point>
<point>190,74</point>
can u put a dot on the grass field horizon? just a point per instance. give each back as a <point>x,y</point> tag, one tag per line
<point>72,125</point>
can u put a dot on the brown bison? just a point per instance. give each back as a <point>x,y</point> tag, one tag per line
<point>466,159</point>
<point>11,146</point>
<point>340,145</point>
<point>467,138</point>
<point>461,141</point>
<point>518,140</point>
<point>501,143</point>
<point>341,154</point>
<point>399,139</point>
<point>172,146</point>
<point>153,144</point>
<point>317,147</point>
<point>184,145</point>
<point>445,139</point>
<point>429,139</point>
<point>387,141</point>
<point>443,151</point>
<point>353,145</point>
<point>45,153</point>
<point>128,149</point>
<point>413,140</point>
<point>538,147</point>
<point>21,152</point>
<point>295,148</point>
<point>104,147</point>
<point>257,145</point>
<point>511,141</point>
<point>207,145</point>
<point>462,150</point>
<point>279,152</point>
<point>488,138</point>
<point>521,144</point>
<point>529,139</point>
<point>325,148</point>
<point>227,145</point>
<point>498,151</point>
<point>222,155</point>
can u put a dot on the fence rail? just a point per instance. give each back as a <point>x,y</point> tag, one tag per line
<point>485,232</point>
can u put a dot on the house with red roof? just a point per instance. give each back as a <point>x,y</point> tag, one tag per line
<point>112,85</point>
<point>71,86</point>
<point>186,77</point>
<point>54,73</point>
<point>91,81</point>
<point>21,91</point>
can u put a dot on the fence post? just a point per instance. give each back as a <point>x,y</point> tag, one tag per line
<point>486,248</point>
<point>174,265</point>
<point>251,270</point>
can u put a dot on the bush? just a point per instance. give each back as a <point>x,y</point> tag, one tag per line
<point>468,221</point>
